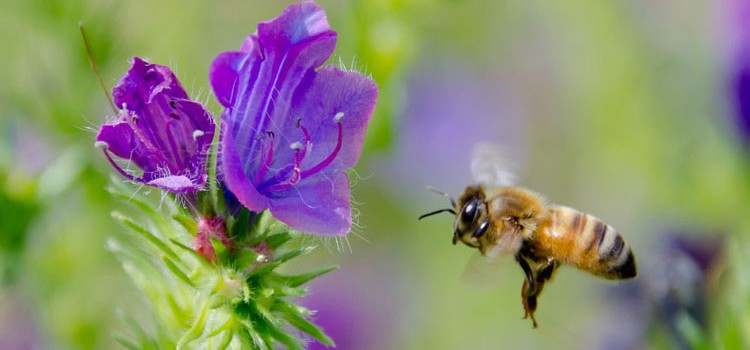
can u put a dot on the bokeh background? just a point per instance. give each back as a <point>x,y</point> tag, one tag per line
<point>626,110</point>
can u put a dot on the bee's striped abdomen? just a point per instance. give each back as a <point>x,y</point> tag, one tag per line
<point>584,241</point>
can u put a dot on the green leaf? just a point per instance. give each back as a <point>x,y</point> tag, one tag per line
<point>265,315</point>
<point>280,259</point>
<point>240,224</point>
<point>119,190</point>
<point>282,337</point>
<point>245,258</point>
<point>217,198</point>
<point>306,326</point>
<point>126,343</point>
<point>195,330</point>
<point>226,327</point>
<point>145,340</point>
<point>292,315</point>
<point>187,222</point>
<point>289,255</point>
<point>258,340</point>
<point>286,291</point>
<point>226,339</point>
<point>176,271</point>
<point>187,249</point>
<point>298,280</point>
<point>144,233</point>
<point>277,240</point>
<point>266,225</point>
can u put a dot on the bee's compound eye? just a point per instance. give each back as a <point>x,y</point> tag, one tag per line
<point>481,229</point>
<point>470,210</point>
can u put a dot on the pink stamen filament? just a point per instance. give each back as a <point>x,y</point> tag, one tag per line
<point>156,151</point>
<point>308,142</point>
<point>131,177</point>
<point>266,164</point>
<point>328,159</point>
<point>120,169</point>
<point>297,174</point>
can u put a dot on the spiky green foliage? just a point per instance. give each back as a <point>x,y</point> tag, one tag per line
<point>242,302</point>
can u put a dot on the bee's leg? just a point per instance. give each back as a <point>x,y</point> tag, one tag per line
<point>528,298</point>
<point>530,279</point>
<point>531,292</point>
<point>529,289</point>
<point>546,270</point>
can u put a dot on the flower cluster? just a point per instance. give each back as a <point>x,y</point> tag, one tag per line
<point>289,130</point>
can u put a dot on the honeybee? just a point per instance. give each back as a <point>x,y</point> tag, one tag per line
<point>540,236</point>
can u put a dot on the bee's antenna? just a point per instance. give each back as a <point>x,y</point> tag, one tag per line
<point>443,193</point>
<point>95,68</point>
<point>450,210</point>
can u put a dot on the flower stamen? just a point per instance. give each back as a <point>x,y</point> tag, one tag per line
<point>197,134</point>
<point>114,164</point>
<point>320,166</point>
<point>104,146</point>
<point>267,163</point>
<point>297,147</point>
<point>300,152</point>
<point>308,140</point>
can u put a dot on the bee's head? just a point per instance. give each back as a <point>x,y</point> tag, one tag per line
<point>472,221</point>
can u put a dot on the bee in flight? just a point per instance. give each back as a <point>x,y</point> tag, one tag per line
<point>541,236</point>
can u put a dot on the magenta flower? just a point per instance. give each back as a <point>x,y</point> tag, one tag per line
<point>290,128</point>
<point>159,129</point>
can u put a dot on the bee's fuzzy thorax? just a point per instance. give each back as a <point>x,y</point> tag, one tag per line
<point>527,208</point>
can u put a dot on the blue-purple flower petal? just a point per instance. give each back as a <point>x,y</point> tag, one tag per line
<point>318,205</point>
<point>741,91</point>
<point>159,129</point>
<point>331,92</point>
<point>290,129</point>
<point>234,176</point>
<point>737,38</point>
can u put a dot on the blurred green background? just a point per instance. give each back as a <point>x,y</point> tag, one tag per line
<point>619,109</point>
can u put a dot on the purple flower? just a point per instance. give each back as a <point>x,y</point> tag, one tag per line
<point>741,88</point>
<point>357,310</point>
<point>159,129</point>
<point>738,35</point>
<point>290,129</point>
<point>677,284</point>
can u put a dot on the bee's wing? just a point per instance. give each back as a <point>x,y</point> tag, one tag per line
<point>507,244</point>
<point>487,272</point>
<point>491,167</point>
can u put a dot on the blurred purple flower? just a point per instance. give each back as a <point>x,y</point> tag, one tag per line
<point>290,129</point>
<point>738,35</point>
<point>19,329</point>
<point>159,129</point>
<point>356,309</point>
<point>741,89</point>
<point>451,108</point>
<point>677,284</point>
